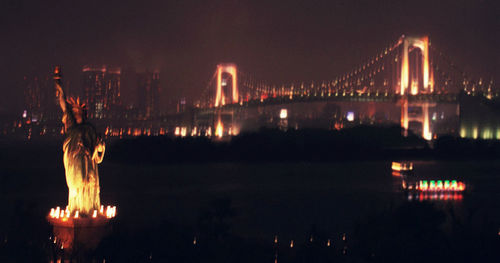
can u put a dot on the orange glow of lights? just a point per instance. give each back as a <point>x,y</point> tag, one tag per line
<point>425,61</point>
<point>423,44</point>
<point>431,81</point>
<point>461,186</point>
<point>414,87</point>
<point>219,95</point>
<point>291,244</point>
<point>404,68</point>
<point>402,166</point>
<point>236,130</point>
<point>219,130</point>
<point>110,211</point>
<point>65,215</point>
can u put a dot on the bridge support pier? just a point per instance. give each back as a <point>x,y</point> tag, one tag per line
<point>416,112</point>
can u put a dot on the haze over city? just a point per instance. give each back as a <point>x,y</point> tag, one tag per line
<point>250,131</point>
<point>275,41</point>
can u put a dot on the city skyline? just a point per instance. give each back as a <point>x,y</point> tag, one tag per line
<point>277,43</point>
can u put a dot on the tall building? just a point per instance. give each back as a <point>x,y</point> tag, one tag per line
<point>33,98</point>
<point>101,87</point>
<point>39,98</point>
<point>113,84</point>
<point>148,93</point>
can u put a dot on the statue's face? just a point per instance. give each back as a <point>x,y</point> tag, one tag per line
<point>78,119</point>
<point>78,113</point>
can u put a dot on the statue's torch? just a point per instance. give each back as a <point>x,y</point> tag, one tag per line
<point>57,74</point>
<point>57,79</point>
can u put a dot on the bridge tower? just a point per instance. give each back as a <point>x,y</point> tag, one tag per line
<point>222,83</point>
<point>415,77</point>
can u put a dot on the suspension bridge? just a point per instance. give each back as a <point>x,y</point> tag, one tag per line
<point>410,72</point>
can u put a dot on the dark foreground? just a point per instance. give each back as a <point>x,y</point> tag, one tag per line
<point>235,209</point>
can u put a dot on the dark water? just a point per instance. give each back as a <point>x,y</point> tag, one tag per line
<point>285,198</point>
<point>263,199</point>
<point>267,198</point>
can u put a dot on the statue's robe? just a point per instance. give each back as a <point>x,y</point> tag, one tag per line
<point>82,175</point>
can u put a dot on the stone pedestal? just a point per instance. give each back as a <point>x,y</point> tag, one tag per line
<point>79,235</point>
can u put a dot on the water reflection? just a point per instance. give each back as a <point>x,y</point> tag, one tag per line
<point>435,196</point>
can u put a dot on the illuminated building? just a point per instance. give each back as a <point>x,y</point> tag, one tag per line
<point>33,98</point>
<point>39,99</point>
<point>113,86</point>
<point>101,86</point>
<point>148,93</point>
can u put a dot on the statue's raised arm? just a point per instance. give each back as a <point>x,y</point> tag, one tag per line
<point>69,116</point>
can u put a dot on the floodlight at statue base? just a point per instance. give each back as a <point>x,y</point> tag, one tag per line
<point>79,234</point>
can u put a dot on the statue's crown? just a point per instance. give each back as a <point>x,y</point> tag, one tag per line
<point>75,103</point>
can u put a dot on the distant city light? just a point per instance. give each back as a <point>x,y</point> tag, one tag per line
<point>350,116</point>
<point>283,114</point>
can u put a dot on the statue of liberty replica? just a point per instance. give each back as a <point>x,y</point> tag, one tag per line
<point>83,151</point>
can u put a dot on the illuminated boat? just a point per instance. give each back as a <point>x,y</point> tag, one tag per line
<point>432,186</point>
<point>402,166</point>
<point>441,186</point>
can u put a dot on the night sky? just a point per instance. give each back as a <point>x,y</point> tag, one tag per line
<point>276,41</point>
